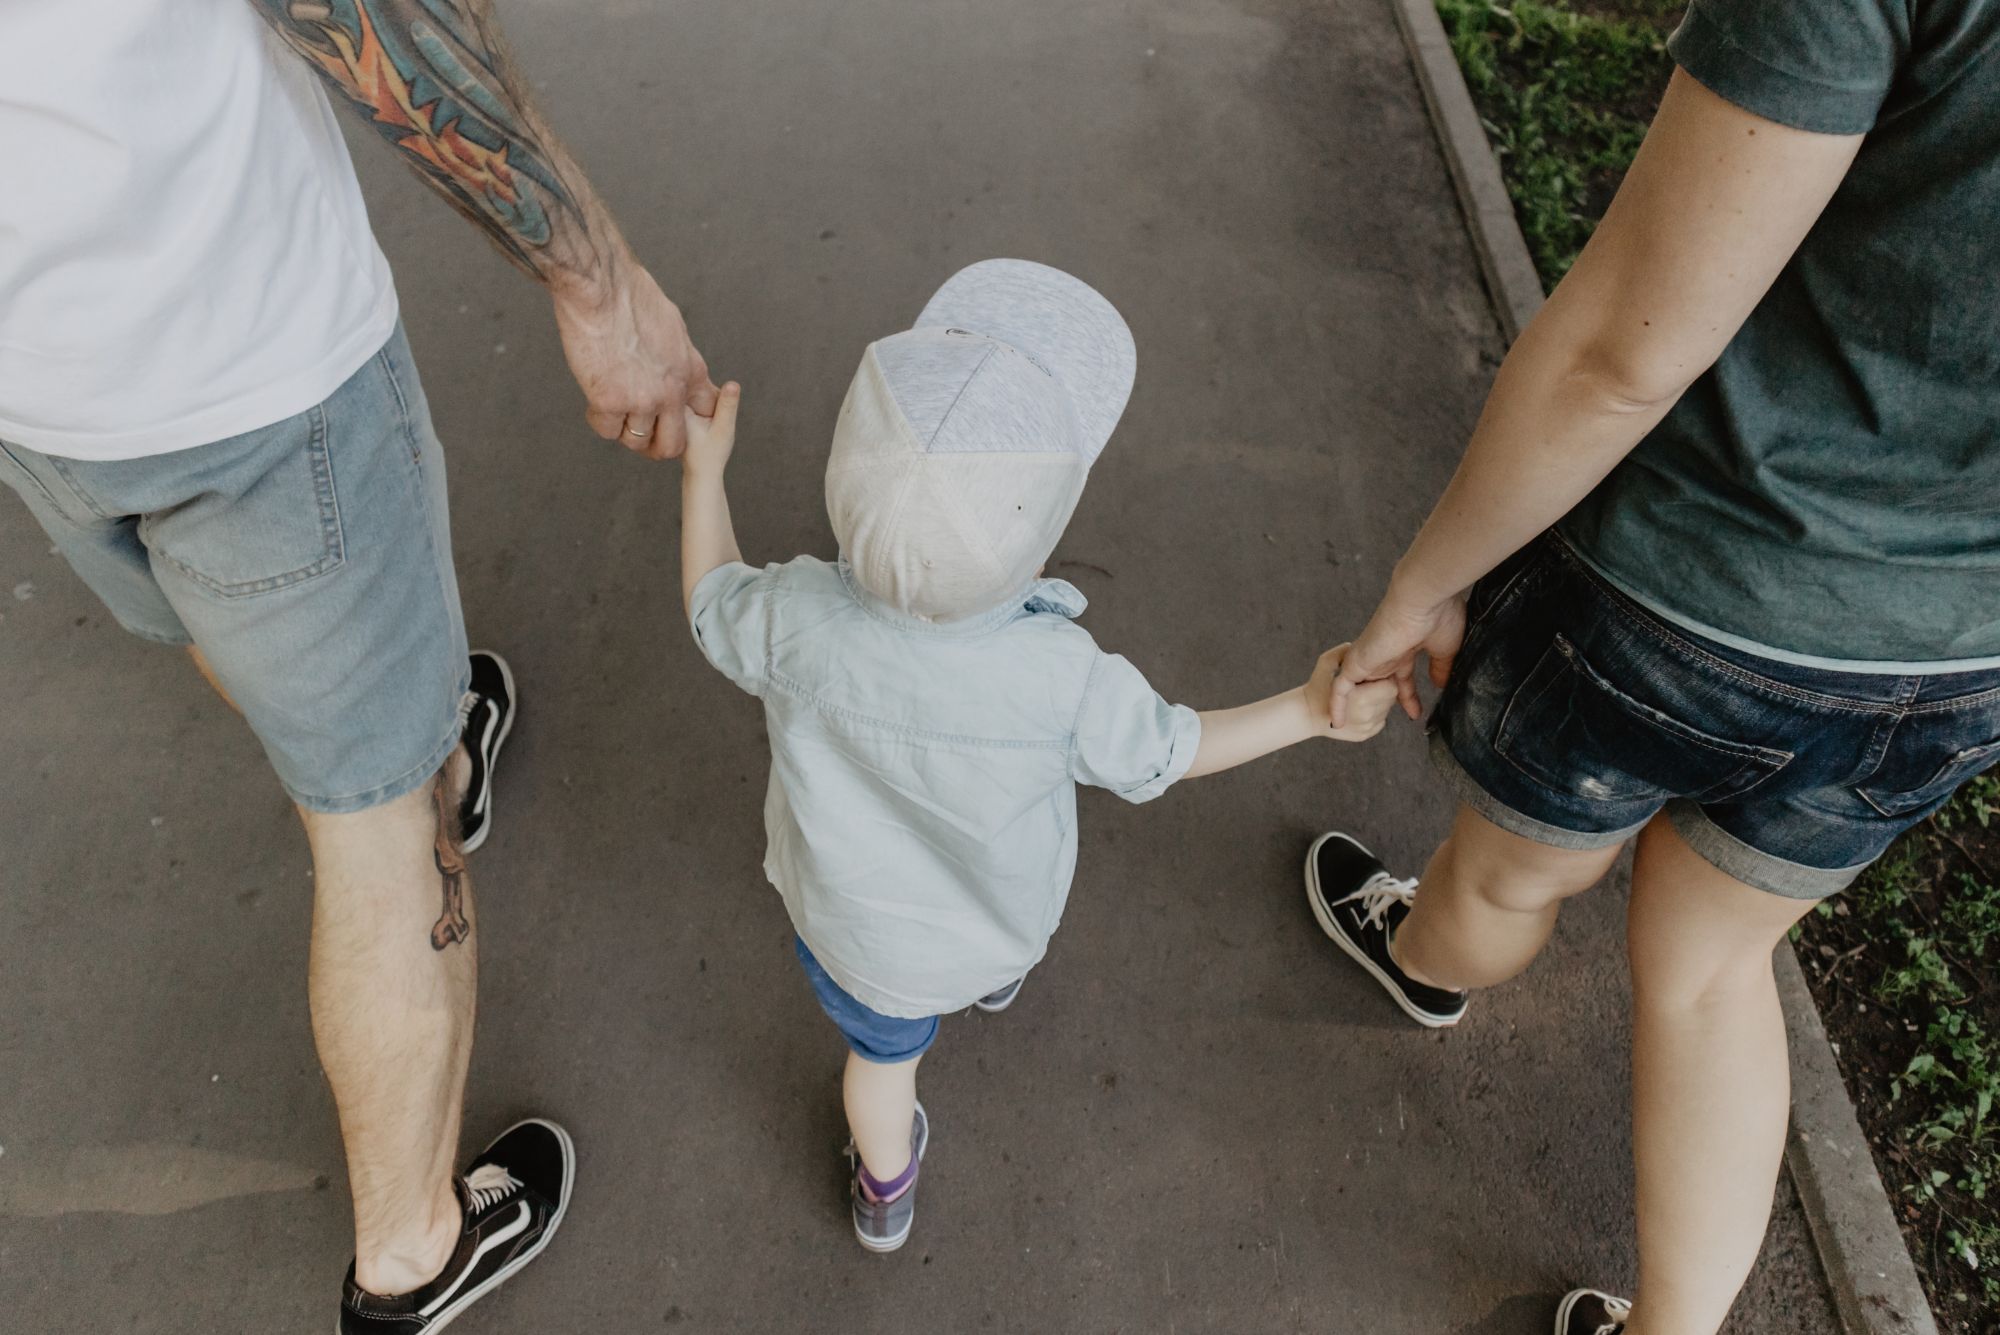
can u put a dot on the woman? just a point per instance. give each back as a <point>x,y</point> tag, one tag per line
<point>1730,527</point>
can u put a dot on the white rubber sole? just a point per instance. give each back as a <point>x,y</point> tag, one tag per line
<point>1339,938</point>
<point>881,1246</point>
<point>1012,997</point>
<point>505,1272</point>
<point>493,761</point>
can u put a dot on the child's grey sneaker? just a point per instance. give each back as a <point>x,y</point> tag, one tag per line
<point>883,1226</point>
<point>1589,1312</point>
<point>995,1002</point>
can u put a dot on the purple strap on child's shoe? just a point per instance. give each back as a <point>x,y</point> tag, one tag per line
<point>883,1192</point>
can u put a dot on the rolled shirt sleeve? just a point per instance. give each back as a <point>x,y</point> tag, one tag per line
<point>1825,66</point>
<point>1128,739</point>
<point>730,613</point>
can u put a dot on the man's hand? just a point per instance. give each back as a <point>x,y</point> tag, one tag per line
<point>711,439</point>
<point>1367,706</point>
<point>1386,652</point>
<point>629,350</point>
<point>432,77</point>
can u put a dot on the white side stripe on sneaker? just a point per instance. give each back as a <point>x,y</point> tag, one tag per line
<point>513,1230</point>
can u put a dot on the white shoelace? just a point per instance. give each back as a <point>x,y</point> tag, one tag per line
<point>1619,1309</point>
<point>489,1184</point>
<point>465,704</point>
<point>1381,891</point>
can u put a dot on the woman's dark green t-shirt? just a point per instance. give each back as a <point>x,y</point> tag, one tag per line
<point>1831,487</point>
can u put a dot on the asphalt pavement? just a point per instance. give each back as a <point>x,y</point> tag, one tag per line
<point>1198,1117</point>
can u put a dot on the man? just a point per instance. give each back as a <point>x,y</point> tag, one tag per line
<point>206,400</point>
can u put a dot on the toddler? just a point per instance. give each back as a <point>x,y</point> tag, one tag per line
<point>931,702</point>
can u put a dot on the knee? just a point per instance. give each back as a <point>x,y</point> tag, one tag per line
<point>1510,887</point>
<point>1698,974</point>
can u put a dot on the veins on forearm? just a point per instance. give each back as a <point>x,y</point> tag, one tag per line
<point>433,79</point>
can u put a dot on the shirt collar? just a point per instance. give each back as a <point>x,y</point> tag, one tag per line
<point>1056,596</point>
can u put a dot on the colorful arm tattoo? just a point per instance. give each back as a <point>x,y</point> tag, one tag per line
<point>431,76</point>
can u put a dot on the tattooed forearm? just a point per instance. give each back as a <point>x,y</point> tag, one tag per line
<point>452,926</point>
<point>433,79</point>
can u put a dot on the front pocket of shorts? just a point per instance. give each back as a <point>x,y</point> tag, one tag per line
<point>267,518</point>
<point>1886,790</point>
<point>1570,729</point>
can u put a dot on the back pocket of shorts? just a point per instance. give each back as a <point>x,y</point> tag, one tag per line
<point>263,514</point>
<point>1571,730</point>
<point>1892,789</point>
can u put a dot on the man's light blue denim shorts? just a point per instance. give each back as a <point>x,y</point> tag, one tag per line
<point>310,561</point>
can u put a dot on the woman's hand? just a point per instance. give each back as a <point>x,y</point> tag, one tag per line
<point>1367,706</point>
<point>1387,648</point>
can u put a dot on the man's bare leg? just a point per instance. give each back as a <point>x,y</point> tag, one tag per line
<point>1711,1081</point>
<point>208,675</point>
<point>393,982</point>
<point>1488,903</point>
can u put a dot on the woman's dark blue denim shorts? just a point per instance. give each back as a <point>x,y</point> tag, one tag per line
<point>1574,715</point>
<point>871,1035</point>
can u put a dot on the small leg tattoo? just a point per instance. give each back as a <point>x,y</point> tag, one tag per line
<point>452,925</point>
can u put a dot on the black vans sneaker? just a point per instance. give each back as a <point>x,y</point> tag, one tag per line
<point>514,1197</point>
<point>1588,1312</point>
<point>486,717</point>
<point>1360,905</point>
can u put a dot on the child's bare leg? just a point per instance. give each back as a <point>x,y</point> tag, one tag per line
<point>881,1103</point>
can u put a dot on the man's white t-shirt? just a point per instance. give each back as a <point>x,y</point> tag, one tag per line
<point>184,254</point>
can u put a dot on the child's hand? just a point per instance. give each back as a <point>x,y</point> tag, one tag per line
<point>1367,707</point>
<point>711,439</point>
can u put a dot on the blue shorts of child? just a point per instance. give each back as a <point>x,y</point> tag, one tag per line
<point>871,1035</point>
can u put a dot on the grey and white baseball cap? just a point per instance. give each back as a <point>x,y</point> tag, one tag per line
<point>963,445</point>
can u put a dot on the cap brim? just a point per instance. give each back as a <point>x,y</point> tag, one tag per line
<point>1060,321</point>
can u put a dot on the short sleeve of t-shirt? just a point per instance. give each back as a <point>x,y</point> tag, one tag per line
<point>730,614</point>
<point>1128,739</point>
<point>1821,65</point>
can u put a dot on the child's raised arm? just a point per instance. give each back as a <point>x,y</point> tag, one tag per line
<point>1231,737</point>
<point>708,538</point>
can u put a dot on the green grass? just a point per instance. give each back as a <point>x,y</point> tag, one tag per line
<point>1915,939</point>
<point>1566,92</point>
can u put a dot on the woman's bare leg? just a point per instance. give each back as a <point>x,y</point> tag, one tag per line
<point>1488,903</point>
<point>1710,1080</point>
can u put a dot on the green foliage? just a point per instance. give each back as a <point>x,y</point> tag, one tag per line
<point>1928,915</point>
<point>1566,96</point>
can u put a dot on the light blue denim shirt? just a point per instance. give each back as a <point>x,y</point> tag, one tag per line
<point>921,814</point>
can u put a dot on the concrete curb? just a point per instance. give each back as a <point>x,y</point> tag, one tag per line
<point>1504,261</point>
<point>1868,1267</point>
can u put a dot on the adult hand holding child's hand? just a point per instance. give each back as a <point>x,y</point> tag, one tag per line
<point>1385,653</point>
<point>1368,705</point>
<point>628,347</point>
